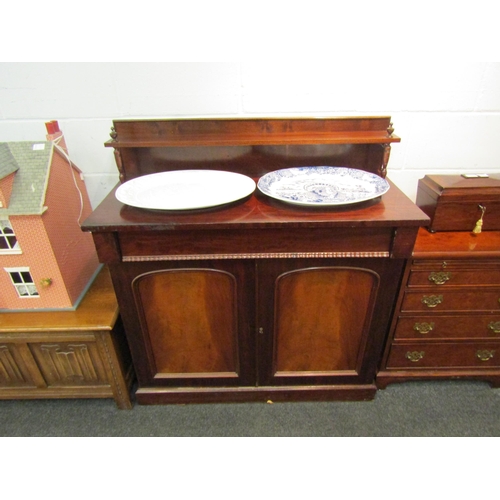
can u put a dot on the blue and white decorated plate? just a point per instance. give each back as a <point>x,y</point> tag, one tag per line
<point>322,186</point>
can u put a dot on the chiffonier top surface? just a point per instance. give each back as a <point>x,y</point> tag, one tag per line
<point>393,209</point>
<point>253,147</point>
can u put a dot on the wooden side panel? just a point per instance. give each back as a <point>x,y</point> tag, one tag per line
<point>324,315</point>
<point>190,319</point>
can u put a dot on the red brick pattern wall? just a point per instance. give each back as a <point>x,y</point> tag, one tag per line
<point>37,255</point>
<point>73,249</point>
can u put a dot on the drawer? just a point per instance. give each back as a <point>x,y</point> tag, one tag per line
<point>432,301</point>
<point>453,277</point>
<point>174,244</point>
<point>442,327</point>
<point>444,355</point>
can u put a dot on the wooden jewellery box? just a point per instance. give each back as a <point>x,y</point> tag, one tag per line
<point>461,202</point>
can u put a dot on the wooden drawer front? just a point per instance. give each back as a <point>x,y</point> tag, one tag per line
<point>426,355</point>
<point>432,301</point>
<point>451,277</point>
<point>250,242</point>
<point>443,327</point>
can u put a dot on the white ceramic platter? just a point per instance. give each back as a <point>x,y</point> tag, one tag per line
<point>185,189</point>
<point>322,186</point>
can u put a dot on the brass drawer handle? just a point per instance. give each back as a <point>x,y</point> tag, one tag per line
<point>439,278</point>
<point>415,356</point>
<point>495,326</point>
<point>423,328</point>
<point>485,354</point>
<point>432,300</point>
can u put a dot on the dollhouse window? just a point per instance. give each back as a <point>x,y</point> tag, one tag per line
<point>8,240</point>
<point>23,282</point>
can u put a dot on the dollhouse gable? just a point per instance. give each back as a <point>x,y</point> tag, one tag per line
<point>46,261</point>
<point>8,168</point>
<point>24,168</point>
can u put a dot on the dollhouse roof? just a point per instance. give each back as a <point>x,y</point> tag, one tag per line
<point>8,164</point>
<point>31,163</point>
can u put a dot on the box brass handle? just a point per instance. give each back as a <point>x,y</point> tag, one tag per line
<point>415,356</point>
<point>485,354</point>
<point>432,300</point>
<point>495,326</point>
<point>423,328</point>
<point>439,278</point>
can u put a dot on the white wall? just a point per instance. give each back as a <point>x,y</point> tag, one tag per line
<point>447,114</point>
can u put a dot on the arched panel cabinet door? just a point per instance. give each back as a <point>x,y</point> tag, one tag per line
<point>320,323</point>
<point>192,324</point>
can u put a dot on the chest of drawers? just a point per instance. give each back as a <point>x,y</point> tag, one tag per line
<point>447,320</point>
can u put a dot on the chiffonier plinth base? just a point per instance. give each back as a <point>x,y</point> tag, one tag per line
<point>271,394</point>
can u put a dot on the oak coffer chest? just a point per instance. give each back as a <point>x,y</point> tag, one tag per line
<point>255,300</point>
<point>68,354</point>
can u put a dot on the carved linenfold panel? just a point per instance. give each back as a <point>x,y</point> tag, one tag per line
<point>10,373</point>
<point>67,363</point>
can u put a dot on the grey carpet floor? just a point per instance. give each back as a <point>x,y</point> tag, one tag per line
<point>450,408</point>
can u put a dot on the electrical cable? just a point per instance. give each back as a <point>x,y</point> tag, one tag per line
<point>63,152</point>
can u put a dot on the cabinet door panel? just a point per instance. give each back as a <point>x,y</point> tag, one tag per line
<point>190,319</point>
<point>323,321</point>
<point>321,318</point>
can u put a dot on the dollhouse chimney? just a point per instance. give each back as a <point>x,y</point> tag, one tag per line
<point>55,135</point>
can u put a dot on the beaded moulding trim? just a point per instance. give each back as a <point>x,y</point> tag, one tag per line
<point>278,255</point>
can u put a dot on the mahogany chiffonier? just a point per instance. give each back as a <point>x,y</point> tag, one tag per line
<point>447,323</point>
<point>258,299</point>
<point>67,354</point>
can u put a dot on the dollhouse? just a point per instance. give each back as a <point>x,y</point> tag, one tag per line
<point>46,261</point>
